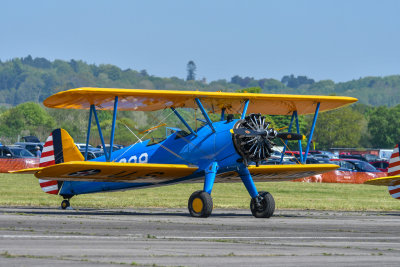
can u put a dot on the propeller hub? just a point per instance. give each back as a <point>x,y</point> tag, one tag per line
<point>252,138</point>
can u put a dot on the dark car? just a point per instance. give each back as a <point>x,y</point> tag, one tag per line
<point>92,153</point>
<point>14,152</point>
<point>365,157</point>
<point>381,165</point>
<point>30,146</point>
<point>115,147</point>
<point>312,160</point>
<point>354,165</point>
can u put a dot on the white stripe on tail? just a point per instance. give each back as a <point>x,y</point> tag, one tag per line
<point>394,169</point>
<point>47,159</point>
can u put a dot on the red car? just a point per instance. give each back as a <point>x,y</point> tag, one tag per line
<point>14,158</point>
<point>351,171</point>
<point>381,165</point>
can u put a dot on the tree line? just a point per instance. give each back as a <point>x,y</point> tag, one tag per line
<point>34,79</point>
<point>354,126</point>
<point>26,82</point>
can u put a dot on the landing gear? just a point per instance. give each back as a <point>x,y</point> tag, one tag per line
<point>263,205</point>
<point>65,204</point>
<point>200,204</point>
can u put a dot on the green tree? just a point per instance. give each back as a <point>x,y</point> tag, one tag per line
<point>191,71</point>
<point>339,128</point>
<point>384,126</point>
<point>25,117</point>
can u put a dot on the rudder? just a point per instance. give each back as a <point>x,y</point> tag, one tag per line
<point>58,148</point>
<point>393,170</point>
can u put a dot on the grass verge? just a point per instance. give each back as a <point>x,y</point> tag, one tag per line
<point>24,190</point>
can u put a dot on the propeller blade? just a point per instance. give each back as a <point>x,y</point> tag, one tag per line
<point>246,132</point>
<point>291,136</point>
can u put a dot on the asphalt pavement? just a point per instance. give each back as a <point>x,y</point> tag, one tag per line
<point>170,237</point>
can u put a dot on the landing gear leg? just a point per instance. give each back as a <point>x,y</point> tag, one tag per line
<point>262,204</point>
<point>200,203</point>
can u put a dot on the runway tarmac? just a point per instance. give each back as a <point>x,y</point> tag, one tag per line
<point>170,237</point>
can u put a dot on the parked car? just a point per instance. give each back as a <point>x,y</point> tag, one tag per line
<point>365,157</point>
<point>83,146</point>
<point>312,160</point>
<point>15,152</point>
<point>93,153</point>
<point>30,146</point>
<point>322,153</point>
<point>31,139</point>
<point>115,146</point>
<point>14,158</point>
<point>350,171</point>
<point>381,165</point>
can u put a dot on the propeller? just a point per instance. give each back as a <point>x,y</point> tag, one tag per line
<point>252,138</point>
<point>284,136</point>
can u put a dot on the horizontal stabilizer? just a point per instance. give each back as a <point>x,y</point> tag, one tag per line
<point>114,171</point>
<point>27,171</point>
<point>388,181</point>
<point>279,173</point>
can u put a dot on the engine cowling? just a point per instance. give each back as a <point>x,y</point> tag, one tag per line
<point>252,138</point>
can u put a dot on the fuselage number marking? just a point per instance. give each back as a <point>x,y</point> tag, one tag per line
<point>143,158</point>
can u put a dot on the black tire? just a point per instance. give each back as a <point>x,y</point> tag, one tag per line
<point>200,204</point>
<point>266,208</point>
<point>65,204</point>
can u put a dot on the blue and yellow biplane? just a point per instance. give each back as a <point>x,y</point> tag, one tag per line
<point>223,151</point>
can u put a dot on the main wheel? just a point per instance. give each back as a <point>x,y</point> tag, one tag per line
<point>65,204</point>
<point>200,204</point>
<point>262,206</point>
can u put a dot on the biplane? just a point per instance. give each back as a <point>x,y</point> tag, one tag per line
<point>392,181</point>
<point>221,151</point>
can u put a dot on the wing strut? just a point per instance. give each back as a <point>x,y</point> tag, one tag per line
<point>294,114</point>
<point>205,114</point>
<point>246,105</point>
<point>100,132</point>
<point>88,132</point>
<point>107,153</point>
<point>113,127</point>
<point>223,114</point>
<point>183,121</point>
<point>298,131</point>
<point>312,132</point>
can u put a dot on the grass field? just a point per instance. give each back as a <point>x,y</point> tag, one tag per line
<point>24,190</point>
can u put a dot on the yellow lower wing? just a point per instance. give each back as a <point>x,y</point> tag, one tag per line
<point>279,173</point>
<point>114,172</point>
<point>388,181</point>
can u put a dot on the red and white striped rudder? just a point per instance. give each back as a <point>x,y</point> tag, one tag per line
<point>393,170</point>
<point>48,159</point>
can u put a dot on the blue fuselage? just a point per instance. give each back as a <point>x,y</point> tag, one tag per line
<point>200,149</point>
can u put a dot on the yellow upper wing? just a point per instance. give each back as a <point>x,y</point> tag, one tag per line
<point>114,172</point>
<point>150,100</point>
<point>388,181</point>
<point>280,173</point>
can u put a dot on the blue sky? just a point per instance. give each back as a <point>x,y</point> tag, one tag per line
<point>338,40</point>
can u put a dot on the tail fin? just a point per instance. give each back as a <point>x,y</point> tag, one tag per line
<point>58,148</point>
<point>393,170</point>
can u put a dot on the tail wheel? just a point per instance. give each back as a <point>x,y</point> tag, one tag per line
<point>200,204</point>
<point>262,206</point>
<point>65,204</point>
